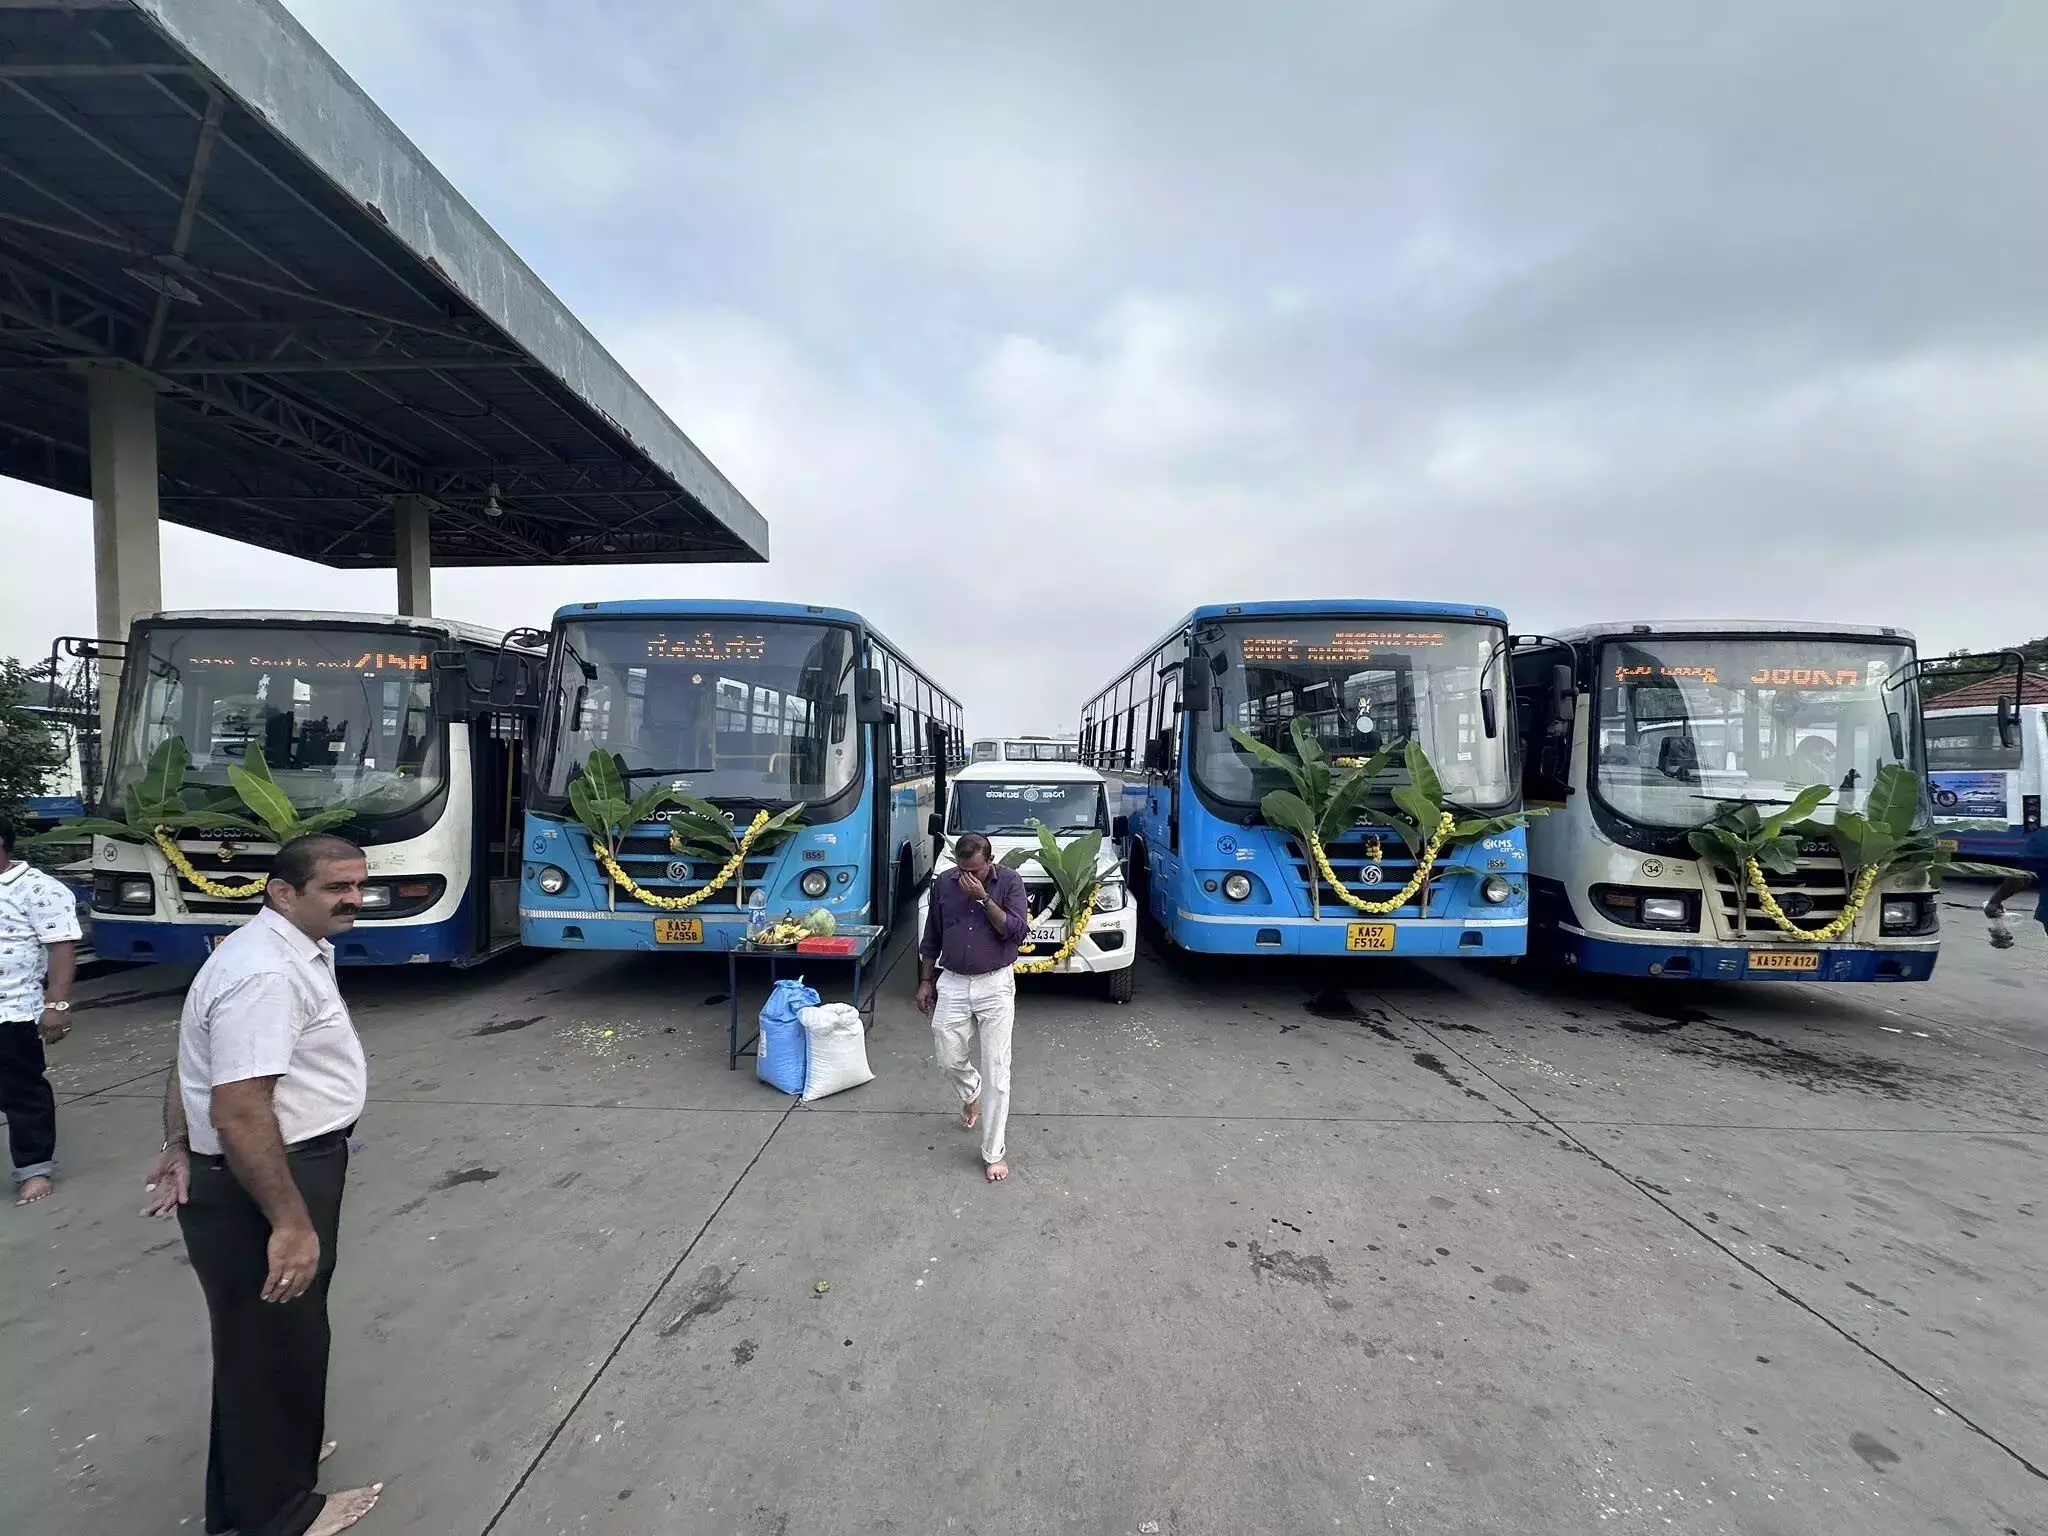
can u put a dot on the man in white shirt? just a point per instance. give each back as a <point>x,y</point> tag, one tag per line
<point>38,957</point>
<point>269,1082</point>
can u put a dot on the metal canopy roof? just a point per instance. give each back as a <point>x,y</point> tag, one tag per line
<point>193,188</point>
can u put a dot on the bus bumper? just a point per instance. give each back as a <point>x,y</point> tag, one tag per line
<point>717,932</point>
<point>1729,962</point>
<point>1414,937</point>
<point>138,941</point>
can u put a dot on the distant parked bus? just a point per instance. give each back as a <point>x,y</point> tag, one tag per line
<point>1204,861</point>
<point>1987,764</point>
<point>1026,749</point>
<point>749,708</point>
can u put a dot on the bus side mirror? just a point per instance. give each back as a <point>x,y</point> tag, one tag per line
<point>870,699</point>
<point>1898,730</point>
<point>1120,828</point>
<point>935,824</point>
<point>1489,712</point>
<point>1562,689</point>
<point>2008,723</point>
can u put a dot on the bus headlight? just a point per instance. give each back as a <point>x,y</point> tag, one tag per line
<point>376,897</point>
<point>137,893</point>
<point>1111,897</point>
<point>1666,909</point>
<point>1904,915</point>
<point>552,881</point>
<point>815,883</point>
<point>1237,885</point>
<point>1496,888</point>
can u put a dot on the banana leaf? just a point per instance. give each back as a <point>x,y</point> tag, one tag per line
<point>1347,805</point>
<point>606,777</point>
<point>165,776</point>
<point>1286,810</point>
<point>272,806</point>
<point>1273,759</point>
<point>644,807</point>
<point>90,826</point>
<point>1894,802</point>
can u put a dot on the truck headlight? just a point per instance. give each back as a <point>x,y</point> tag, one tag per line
<point>1237,885</point>
<point>1111,897</point>
<point>1664,909</point>
<point>552,881</point>
<point>815,883</point>
<point>1496,889</point>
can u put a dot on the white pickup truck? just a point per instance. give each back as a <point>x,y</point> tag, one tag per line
<point>1002,800</point>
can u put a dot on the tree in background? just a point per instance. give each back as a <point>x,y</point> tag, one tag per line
<point>29,754</point>
<point>1945,674</point>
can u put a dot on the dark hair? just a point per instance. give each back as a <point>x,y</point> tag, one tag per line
<point>971,845</point>
<point>6,837</point>
<point>296,861</point>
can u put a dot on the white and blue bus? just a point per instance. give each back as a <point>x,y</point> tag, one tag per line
<point>1987,765</point>
<point>365,710</point>
<point>1367,674</point>
<point>1633,735</point>
<point>750,707</point>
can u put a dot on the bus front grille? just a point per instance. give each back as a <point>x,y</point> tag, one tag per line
<point>1348,861</point>
<point>656,869</point>
<point>1812,897</point>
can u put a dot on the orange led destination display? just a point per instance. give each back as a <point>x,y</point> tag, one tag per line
<point>1763,677</point>
<point>1343,645</point>
<point>709,645</point>
<point>368,661</point>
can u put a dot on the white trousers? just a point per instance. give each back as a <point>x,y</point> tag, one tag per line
<point>973,1018</point>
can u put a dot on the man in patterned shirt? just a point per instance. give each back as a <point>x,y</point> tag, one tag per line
<point>38,957</point>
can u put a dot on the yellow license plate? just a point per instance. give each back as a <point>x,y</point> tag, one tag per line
<point>679,930</point>
<point>1373,936</point>
<point>1948,845</point>
<point>1784,960</point>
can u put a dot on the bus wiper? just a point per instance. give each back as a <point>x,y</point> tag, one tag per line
<point>658,773</point>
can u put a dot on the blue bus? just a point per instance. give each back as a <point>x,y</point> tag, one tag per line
<point>749,707</point>
<point>366,710</point>
<point>1366,675</point>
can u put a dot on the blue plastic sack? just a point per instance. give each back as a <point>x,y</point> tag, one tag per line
<point>783,1058</point>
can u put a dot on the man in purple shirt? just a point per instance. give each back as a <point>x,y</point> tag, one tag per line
<point>972,933</point>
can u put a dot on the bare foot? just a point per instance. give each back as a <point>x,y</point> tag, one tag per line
<point>970,1113</point>
<point>344,1509</point>
<point>40,1188</point>
<point>997,1172</point>
<point>329,1449</point>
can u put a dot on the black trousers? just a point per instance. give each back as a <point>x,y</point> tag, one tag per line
<point>26,1097</point>
<point>269,1358</point>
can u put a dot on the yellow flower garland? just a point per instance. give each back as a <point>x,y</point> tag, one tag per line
<point>1858,895</point>
<point>639,892</point>
<point>1401,897</point>
<point>206,887</point>
<point>1060,956</point>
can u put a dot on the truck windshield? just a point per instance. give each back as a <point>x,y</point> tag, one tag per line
<point>1364,682</point>
<point>338,715</point>
<point>1685,726</point>
<point>1010,809</point>
<point>759,710</point>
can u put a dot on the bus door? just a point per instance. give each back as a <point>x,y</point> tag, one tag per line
<point>1162,793</point>
<point>497,753</point>
<point>936,742</point>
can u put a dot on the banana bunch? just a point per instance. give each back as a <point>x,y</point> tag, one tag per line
<point>782,933</point>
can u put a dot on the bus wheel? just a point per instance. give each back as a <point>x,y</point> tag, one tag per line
<point>1121,982</point>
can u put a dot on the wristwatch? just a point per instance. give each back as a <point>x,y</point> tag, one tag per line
<point>56,1007</point>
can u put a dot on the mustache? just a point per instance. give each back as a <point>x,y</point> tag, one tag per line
<point>346,910</point>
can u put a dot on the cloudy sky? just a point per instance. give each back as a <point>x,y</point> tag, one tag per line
<point>1097,310</point>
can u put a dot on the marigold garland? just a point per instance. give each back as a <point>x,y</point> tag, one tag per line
<point>205,887</point>
<point>1060,956</point>
<point>638,892</point>
<point>1401,897</point>
<point>1844,921</point>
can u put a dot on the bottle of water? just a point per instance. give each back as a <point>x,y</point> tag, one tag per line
<point>2001,933</point>
<point>757,912</point>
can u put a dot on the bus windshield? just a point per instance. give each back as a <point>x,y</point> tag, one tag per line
<point>1364,683</point>
<point>1688,726</point>
<point>1009,809</point>
<point>338,715</point>
<point>759,710</point>
<point>1967,742</point>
